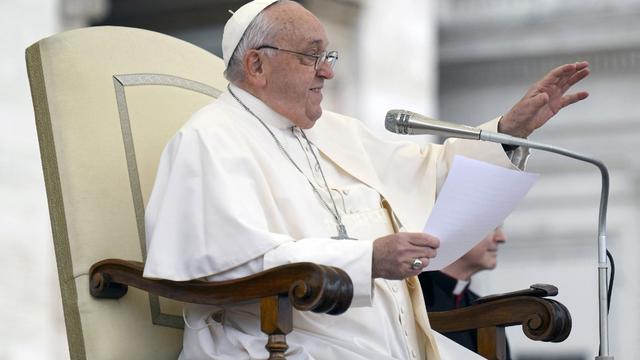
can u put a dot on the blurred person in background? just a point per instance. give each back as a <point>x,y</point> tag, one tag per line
<point>448,289</point>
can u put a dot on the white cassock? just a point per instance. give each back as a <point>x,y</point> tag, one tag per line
<point>227,203</point>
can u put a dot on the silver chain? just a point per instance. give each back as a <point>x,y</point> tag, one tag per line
<point>342,233</point>
<point>337,214</point>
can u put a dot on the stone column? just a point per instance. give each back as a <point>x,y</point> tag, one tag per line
<point>387,60</point>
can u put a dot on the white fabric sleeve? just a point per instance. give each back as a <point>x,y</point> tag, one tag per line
<point>197,223</point>
<point>354,257</point>
<point>249,268</point>
<point>519,156</point>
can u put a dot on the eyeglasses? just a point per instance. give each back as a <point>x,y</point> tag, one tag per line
<point>329,57</point>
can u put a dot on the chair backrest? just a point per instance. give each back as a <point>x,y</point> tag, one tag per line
<point>106,101</point>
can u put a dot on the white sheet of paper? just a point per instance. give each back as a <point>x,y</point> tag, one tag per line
<point>475,198</point>
<point>451,350</point>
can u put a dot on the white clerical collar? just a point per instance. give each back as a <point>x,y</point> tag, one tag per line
<point>460,286</point>
<point>266,114</point>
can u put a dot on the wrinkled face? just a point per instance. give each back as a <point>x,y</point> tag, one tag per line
<point>484,255</point>
<point>293,86</point>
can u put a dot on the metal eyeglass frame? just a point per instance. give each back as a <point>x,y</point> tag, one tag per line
<point>330,57</point>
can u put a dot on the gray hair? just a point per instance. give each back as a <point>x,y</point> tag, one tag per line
<point>259,32</point>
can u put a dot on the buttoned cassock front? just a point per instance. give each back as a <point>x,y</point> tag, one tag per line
<point>227,203</point>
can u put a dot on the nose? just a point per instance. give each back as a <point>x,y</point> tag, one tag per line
<point>499,236</point>
<point>325,71</point>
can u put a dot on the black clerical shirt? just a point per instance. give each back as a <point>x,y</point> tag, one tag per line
<point>438,290</point>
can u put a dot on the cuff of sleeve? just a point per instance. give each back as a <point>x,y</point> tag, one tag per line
<point>519,157</point>
<point>353,256</point>
<point>361,275</point>
<point>516,157</point>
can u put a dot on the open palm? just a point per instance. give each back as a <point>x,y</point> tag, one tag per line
<point>544,99</point>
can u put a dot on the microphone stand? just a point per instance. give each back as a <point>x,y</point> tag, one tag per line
<point>603,268</point>
<point>409,123</point>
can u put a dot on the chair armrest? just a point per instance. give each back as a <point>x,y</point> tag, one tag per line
<point>541,319</point>
<point>310,287</point>
<point>536,290</point>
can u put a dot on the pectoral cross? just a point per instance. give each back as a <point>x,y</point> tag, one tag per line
<point>342,233</point>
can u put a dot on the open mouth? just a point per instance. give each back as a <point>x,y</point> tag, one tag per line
<point>316,89</point>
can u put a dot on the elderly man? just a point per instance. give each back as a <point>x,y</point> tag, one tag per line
<point>263,177</point>
<point>449,288</point>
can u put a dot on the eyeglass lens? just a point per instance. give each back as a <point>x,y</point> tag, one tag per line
<point>329,57</point>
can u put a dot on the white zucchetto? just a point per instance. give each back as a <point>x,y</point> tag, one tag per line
<point>237,25</point>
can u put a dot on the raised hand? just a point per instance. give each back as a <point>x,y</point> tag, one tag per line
<point>394,254</point>
<point>544,99</point>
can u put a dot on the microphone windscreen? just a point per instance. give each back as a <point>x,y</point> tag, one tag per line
<point>393,121</point>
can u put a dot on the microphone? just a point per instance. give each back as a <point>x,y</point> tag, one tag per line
<point>409,123</point>
<point>405,122</point>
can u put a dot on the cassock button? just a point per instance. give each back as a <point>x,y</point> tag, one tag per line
<point>402,310</point>
<point>413,353</point>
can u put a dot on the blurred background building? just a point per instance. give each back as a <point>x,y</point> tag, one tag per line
<point>461,60</point>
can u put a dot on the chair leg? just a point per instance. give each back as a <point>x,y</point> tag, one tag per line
<point>501,343</point>
<point>492,343</point>
<point>276,321</point>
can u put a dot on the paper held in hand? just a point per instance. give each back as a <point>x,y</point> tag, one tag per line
<point>475,198</point>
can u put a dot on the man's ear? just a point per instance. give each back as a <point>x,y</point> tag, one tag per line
<point>255,68</point>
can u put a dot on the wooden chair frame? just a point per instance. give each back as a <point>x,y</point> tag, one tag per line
<point>325,289</point>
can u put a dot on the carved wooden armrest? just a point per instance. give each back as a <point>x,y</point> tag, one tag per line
<point>311,287</point>
<point>536,290</point>
<point>541,319</point>
<point>305,286</point>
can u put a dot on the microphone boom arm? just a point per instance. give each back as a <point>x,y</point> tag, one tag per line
<point>410,123</point>
<point>602,223</point>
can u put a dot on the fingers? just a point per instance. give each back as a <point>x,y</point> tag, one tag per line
<point>574,98</point>
<point>569,69</point>
<point>413,271</point>
<point>559,74</point>
<point>395,254</point>
<point>544,99</point>
<point>424,247</point>
<point>582,65</point>
<point>422,239</point>
<point>422,253</point>
<point>575,78</point>
<point>421,246</point>
<point>425,262</point>
<point>566,75</point>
